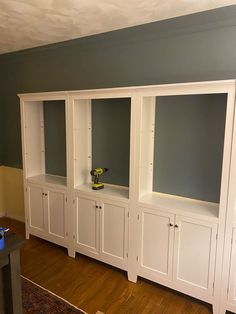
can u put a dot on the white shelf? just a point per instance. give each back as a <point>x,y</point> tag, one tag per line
<point>111,191</point>
<point>48,179</point>
<point>182,205</point>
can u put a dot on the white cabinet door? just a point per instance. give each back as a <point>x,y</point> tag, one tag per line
<point>114,232</point>
<point>232,276</point>
<point>194,254</point>
<point>56,210</point>
<point>36,220</point>
<point>46,213</point>
<point>156,244</point>
<point>87,225</point>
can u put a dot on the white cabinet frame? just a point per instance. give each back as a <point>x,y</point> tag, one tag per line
<point>144,172</point>
<point>140,186</point>
<point>232,274</point>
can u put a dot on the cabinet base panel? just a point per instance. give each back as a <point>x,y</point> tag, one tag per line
<point>177,287</point>
<point>47,238</point>
<point>98,258</point>
<point>231,308</point>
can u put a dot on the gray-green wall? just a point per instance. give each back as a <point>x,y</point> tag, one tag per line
<point>111,138</point>
<point>2,128</point>
<point>189,141</point>
<point>55,137</point>
<point>191,48</point>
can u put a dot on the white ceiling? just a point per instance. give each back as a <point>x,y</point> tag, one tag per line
<point>31,23</point>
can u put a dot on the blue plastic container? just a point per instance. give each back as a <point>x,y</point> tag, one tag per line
<point>2,240</point>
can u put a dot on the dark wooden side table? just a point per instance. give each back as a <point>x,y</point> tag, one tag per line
<point>10,279</point>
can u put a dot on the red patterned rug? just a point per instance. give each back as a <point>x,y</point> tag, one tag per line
<point>37,300</point>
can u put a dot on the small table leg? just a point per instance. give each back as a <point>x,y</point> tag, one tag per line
<point>12,286</point>
<point>1,293</point>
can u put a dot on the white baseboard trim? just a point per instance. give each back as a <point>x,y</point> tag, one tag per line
<point>2,214</point>
<point>15,217</point>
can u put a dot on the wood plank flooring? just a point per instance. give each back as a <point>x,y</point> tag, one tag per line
<point>94,286</point>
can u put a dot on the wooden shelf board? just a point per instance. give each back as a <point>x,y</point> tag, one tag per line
<point>182,205</point>
<point>49,179</point>
<point>114,191</point>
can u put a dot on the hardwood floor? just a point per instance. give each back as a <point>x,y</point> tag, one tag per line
<point>94,286</point>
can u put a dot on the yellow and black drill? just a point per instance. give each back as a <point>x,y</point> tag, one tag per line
<point>96,173</point>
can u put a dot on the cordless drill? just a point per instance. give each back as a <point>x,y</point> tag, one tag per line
<point>96,173</point>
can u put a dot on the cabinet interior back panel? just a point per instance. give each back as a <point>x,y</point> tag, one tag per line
<point>111,138</point>
<point>188,148</point>
<point>55,137</point>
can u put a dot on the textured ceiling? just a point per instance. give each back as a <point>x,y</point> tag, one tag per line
<point>30,23</point>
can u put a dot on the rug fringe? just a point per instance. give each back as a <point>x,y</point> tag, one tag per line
<point>72,305</point>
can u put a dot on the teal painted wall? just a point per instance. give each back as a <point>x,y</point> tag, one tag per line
<point>1,131</point>
<point>192,48</point>
<point>55,137</point>
<point>189,141</point>
<point>111,138</point>
<point>2,118</point>
<point>1,128</point>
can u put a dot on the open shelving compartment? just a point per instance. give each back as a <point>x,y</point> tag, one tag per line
<point>184,155</point>
<point>45,153</point>
<point>101,132</point>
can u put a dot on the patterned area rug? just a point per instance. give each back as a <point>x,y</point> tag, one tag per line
<point>37,300</point>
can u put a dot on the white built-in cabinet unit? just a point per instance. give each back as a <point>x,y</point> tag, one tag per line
<point>167,212</point>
